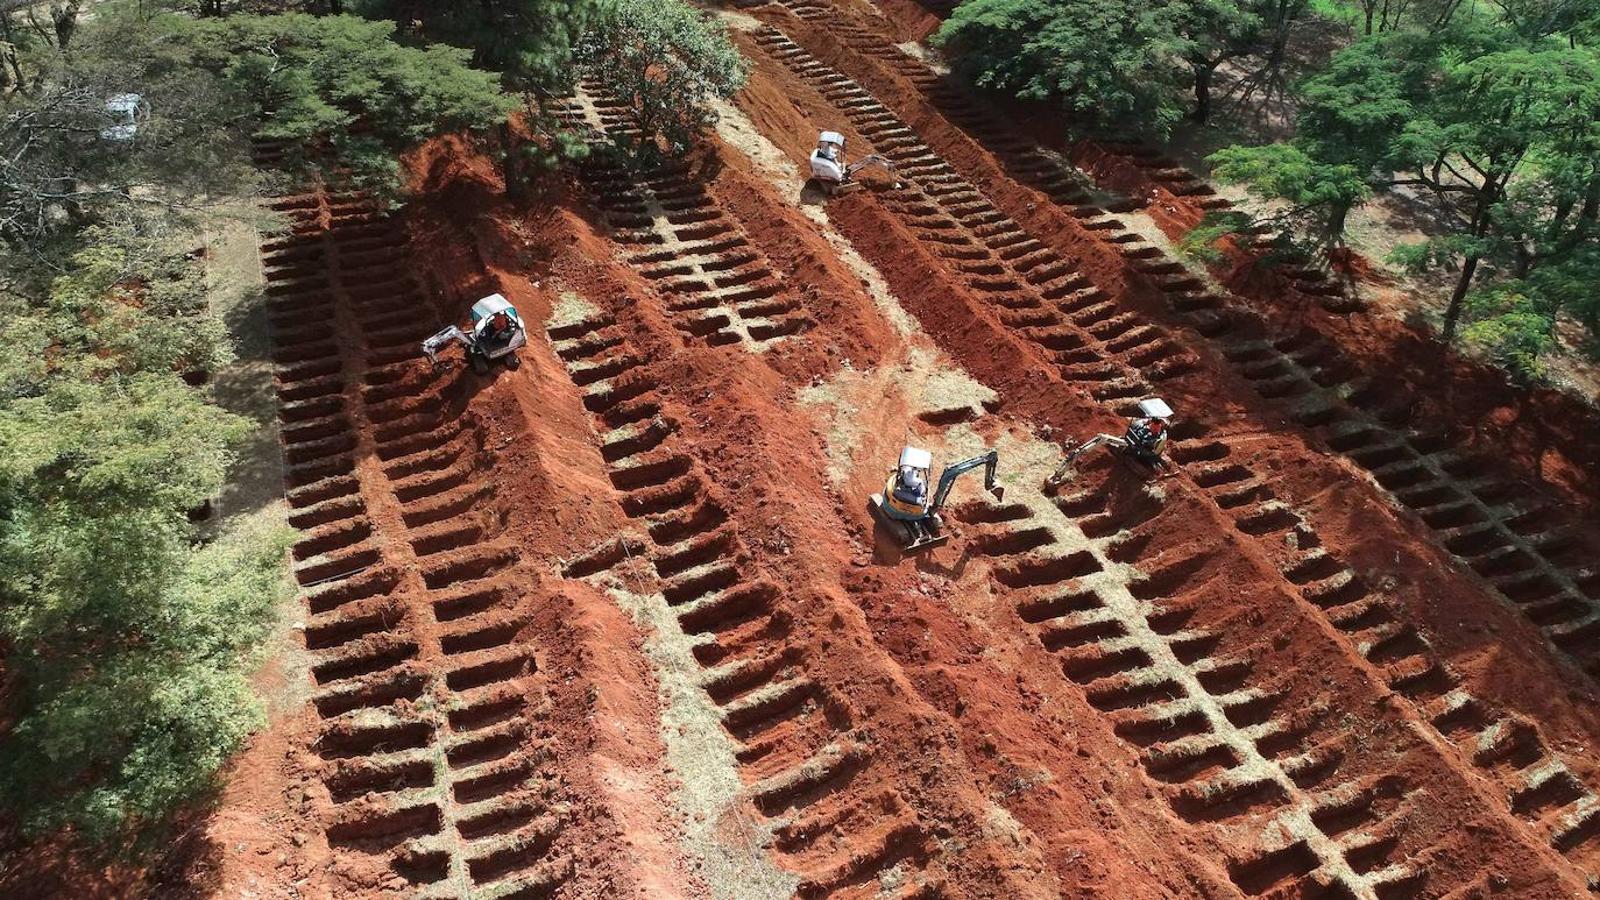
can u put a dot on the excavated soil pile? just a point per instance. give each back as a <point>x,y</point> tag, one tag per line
<point>617,623</point>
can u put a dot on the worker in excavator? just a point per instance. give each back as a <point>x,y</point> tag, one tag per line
<point>910,487</point>
<point>1145,441</point>
<point>499,332</point>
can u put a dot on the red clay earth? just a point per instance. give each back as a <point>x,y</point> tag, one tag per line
<point>617,624</point>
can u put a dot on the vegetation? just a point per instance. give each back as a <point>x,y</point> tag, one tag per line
<point>1140,64</point>
<point>530,43</point>
<point>128,634</point>
<point>667,61</point>
<point>131,643</point>
<point>1496,120</point>
<point>1487,115</point>
<point>341,86</point>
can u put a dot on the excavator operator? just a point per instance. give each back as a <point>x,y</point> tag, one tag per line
<point>910,487</point>
<point>1147,439</point>
<point>500,330</point>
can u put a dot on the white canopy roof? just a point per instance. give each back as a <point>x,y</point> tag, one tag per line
<point>916,458</point>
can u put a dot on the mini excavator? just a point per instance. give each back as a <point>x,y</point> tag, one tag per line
<point>1144,443</point>
<point>905,507</point>
<point>829,169</point>
<point>495,335</point>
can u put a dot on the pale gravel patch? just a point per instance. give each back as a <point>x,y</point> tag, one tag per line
<point>736,129</point>
<point>569,309</point>
<point>926,380</point>
<point>700,755</point>
<point>927,56</point>
<point>739,21</point>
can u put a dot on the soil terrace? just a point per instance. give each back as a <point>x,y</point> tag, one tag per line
<point>617,623</point>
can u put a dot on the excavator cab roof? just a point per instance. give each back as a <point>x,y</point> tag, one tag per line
<point>494,303</point>
<point>916,458</point>
<point>1154,407</point>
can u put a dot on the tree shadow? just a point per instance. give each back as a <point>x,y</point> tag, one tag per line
<point>246,387</point>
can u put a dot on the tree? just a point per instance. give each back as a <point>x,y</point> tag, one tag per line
<point>63,171</point>
<point>1106,63</point>
<point>1121,64</point>
<point>1515,329</point>
<point>1212,32</point>
<point>1323,192</point>
<point>131,645</point>
<point>1386,15</point>
<point>1489,122</point>
<point>667,61</point>
<point>529,42</point>
<point>1348,117</point>
<point>343,83</point>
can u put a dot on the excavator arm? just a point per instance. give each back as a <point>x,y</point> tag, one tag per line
<point>443,338</point>
<point>989,460</point>
<point>876,159</point>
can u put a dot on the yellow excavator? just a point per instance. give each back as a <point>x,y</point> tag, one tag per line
<point>906,507</point>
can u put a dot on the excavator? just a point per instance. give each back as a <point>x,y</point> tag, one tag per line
<point>496,335</point>
<point>1145,441</point>
<point>906,509</point>
<point>828,167</point>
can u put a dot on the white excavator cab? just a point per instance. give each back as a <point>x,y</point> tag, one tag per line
<point>495,335</point>
<point>827,161</point>
<point>909,491</point>
<point>1154,408</point>
<point>828,167</point>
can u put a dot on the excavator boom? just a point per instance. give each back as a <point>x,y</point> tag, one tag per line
<point>989,460</point>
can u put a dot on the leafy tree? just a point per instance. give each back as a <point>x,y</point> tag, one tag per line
<point>529,42</point>
<point>1103,62</point>
<point>343,82</point>
<point>63,171</point>
<point>1212,32</point>
<point>1348,117</point>
<point>1488,124</point>
<point>131,645</point>
<point>1117,63</point>
<point>1384,15</point>
<point>667,61</point>
<point>1513,329</point>
<point>1323,192</point>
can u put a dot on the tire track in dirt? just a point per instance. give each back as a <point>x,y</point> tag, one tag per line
<point>430,700</point>
<point>970,210</point>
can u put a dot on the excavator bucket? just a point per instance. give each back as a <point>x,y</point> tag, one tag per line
<point>912,536</point>
<point>1063,474</point>
<point>926,542</point>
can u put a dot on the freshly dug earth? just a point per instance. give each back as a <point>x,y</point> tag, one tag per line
<point>617,622</point>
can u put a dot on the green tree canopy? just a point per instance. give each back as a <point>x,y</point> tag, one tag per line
<point>131,644</point>
<point>343,82</point>
<point>531,42</point>
<point>667,61</point>
<point>1110,63</point>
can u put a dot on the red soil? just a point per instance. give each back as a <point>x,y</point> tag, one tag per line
<point>1325,656</point>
